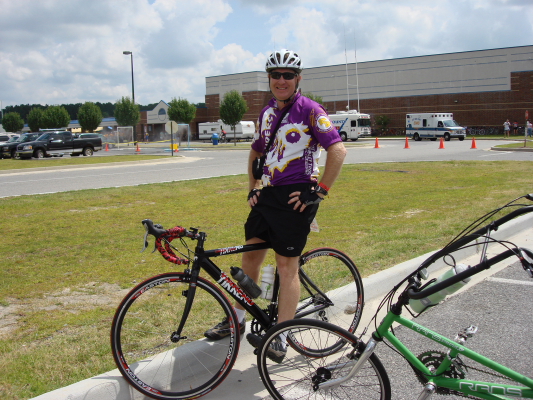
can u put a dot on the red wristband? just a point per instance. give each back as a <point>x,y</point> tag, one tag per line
<point>323,187</point>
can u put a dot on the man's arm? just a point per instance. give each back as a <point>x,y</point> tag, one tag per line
<point>336,155</point>
<point>252,182</point>
<point>333,167</point>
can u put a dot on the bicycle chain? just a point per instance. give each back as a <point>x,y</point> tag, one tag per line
<point>457,371</point>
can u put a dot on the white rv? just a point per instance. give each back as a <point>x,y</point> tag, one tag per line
<point>432,126</point>
<point>244,130</point>
<point>351,124</point>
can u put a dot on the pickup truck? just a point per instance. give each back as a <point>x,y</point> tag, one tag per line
<point>59,143</point>
<point>9,148</point>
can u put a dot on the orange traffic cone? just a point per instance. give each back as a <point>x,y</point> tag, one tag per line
<point>138,149</point>
<point>441,143</point>
<point>473,143</point>
<point>377,144</point>
<point>406,143</point>
<point>107,147</point>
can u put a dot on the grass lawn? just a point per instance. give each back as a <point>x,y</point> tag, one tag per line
<point>68,258</point>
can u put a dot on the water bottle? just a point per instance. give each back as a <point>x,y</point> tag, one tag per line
<point>267,282</point>
<point>420,305</point>
<point>246,283</point>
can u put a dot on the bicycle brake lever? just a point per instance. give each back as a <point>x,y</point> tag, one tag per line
<point>145,241</point>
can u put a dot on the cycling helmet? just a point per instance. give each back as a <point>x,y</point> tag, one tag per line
<point>284,59</point>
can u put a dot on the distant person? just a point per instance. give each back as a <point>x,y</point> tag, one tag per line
<point>506,129</point>
<point>529,127</point>
<point>515,128</point>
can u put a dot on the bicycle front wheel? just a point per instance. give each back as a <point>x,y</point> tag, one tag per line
<point>331,288</point>
<point>146,351</point>
<point>299,377</point>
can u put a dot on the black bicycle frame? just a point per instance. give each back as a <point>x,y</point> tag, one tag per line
<point>202,261</point>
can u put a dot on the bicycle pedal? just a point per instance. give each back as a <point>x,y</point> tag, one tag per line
<point>465,334</point>
<point>256,351</point>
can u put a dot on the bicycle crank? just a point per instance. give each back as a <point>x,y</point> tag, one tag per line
<point>432,360</point>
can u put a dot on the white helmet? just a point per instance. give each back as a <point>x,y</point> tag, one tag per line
<point>284,59</point>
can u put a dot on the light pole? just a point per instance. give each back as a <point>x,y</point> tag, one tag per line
<point>129,53</point>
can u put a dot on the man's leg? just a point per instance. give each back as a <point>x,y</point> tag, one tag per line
<point>289,292</point>
<point>251,263</point>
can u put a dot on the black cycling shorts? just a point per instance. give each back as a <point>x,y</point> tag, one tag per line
<point>273,220</point>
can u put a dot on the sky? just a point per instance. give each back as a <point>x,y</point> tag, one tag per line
<point>71,51</point>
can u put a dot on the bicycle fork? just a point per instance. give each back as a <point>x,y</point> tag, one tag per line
<point>189,293</point>
<point>365,355</point>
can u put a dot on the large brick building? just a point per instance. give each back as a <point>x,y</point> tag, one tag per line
<point>481,88</point>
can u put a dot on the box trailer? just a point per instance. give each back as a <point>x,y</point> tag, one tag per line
<point>244,130</point>
<point>351,124</point>
<point>432,126</point>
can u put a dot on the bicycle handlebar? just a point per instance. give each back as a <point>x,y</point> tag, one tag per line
<point>524,255</point>
<point>167,235</point>
<point>475,235</point>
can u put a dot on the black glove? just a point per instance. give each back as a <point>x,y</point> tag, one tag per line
<point>253,192</point>
<point>309,197</point>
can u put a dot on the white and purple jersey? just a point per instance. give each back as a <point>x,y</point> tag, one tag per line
<point>294,153</point>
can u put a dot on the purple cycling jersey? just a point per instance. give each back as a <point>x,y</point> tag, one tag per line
<point>295,151</point>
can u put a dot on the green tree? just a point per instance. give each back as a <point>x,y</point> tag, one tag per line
<point>316,98</point>
<point>383,121</point>
<point>181,110</point>
<point>89,116</point>
<point>35,119</point>
<point>127,113</point>
<point>12,122</point>
<point>232,108</point>
<point>55,117</point>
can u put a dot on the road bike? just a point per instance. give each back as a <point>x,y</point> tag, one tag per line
<point>157,334</point>
<point>355,371</point>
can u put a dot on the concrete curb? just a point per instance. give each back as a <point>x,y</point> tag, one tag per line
<point>244,379</point>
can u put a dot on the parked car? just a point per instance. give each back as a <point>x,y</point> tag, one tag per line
<point>58,143</point>
<point>9,148</point>
<point>4,137</point>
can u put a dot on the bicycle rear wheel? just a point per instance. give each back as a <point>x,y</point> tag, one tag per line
<point>331,288</point>
<point>141,338</point>
<point>299,377</point>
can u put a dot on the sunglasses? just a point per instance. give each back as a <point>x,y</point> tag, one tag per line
<point>288,76</point>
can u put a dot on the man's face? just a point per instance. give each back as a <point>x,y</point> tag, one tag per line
<point>283,88</point>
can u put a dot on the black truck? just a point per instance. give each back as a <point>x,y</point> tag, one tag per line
<point>9,148</point>
<point>59,143</point>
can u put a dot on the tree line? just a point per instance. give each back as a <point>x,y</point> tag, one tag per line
<point>125,111</point>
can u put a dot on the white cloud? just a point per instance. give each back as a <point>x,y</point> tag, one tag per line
<point>69,51</point>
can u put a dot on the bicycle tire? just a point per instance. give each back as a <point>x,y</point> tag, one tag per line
<point>296,377</point>
<point>144,352</point>
<point>333,273</point>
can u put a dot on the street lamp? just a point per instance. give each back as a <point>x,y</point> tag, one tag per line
<point>129,53</point>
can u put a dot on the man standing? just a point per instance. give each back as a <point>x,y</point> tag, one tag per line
<point>285,193</point>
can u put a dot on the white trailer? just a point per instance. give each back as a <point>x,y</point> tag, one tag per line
<point>432,126</point>
<point>244,130</point>
<point>351,124</point>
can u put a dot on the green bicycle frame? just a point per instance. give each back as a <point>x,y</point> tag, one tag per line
<point>483,390</point>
